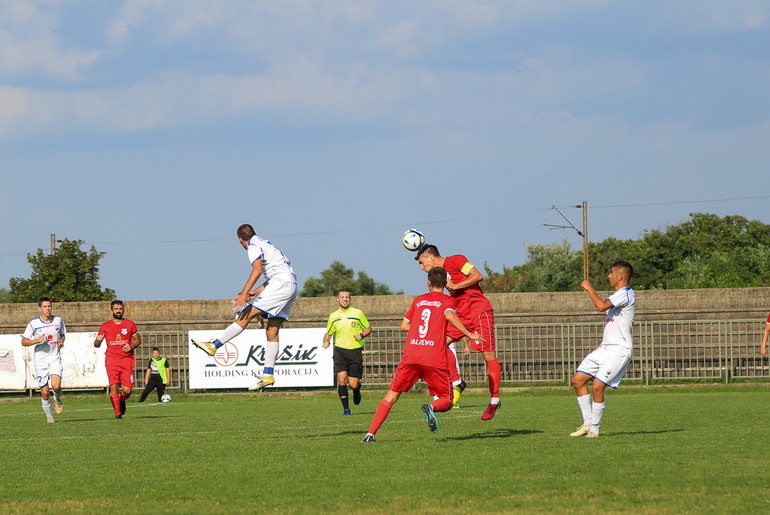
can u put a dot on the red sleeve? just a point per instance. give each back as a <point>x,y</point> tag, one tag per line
<point>768,318</point>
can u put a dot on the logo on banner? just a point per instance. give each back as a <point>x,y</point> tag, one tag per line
<point>227,355</point>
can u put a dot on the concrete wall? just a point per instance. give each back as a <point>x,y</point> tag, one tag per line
<point>183,315</point>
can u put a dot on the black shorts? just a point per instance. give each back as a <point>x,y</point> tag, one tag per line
<point>350,361</point>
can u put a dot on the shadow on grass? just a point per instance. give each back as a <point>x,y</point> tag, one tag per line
<point>496,433</point>
<point>660,431</point>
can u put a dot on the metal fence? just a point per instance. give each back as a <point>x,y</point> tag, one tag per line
<point>548,353</point>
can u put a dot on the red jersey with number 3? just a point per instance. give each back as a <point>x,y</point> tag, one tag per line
<point>471,301</point>
<point>116,336</point>
<point>426,339</point>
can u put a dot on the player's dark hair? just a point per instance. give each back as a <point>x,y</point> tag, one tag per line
<point>43,299</point>
<point>246,232</point>
<point>343,290</point>
<point>116,302</point>
<point>155,349</point>
<point>428,249</point>
<point>437,277</point>
<point>628,270</point>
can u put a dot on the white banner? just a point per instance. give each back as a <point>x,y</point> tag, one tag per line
<point>302,360</point>
<point>82,363</point>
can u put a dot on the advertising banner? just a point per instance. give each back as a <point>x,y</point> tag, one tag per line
<point>82,363</point>
<point>302,360</point>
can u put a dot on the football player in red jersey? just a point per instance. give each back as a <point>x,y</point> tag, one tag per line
<point>474,310</point>
<point>122,338</point>
<point>425,353</point>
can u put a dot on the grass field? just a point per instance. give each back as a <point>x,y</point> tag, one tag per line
<point>663,450</point>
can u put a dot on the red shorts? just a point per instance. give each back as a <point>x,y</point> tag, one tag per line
<point>438,381</point>
<point>483,323</point>
<point>120,371</point>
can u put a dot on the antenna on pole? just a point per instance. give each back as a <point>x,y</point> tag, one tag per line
<point>583,233</point>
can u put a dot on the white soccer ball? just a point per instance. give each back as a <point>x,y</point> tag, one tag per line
<point>413,240</point>
<point>166,398</point>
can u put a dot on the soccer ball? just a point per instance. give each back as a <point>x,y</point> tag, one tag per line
<point>413,239</point>
<point>166,398</point>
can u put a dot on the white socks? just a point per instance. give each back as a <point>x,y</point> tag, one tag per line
<point>47,408</point>
<point>597,410</point>
<point>584,402</point>
<point>271,354</point>
<point>230,332</point>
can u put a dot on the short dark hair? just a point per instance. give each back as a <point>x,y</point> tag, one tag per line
<point>628,270</point>
<point>116,302</point>
<point>246,232</point>
<point>342,290</point>
<point>43,299</point>
<point>428,249</point>
<point>437,277</point>
<point>155,349</point>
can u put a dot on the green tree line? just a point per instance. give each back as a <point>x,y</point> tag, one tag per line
<point>706,251</point>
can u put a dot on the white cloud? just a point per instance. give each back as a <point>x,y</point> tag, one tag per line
<point>30,44</point>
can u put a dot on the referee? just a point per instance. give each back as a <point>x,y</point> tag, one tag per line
<point>349,327</point>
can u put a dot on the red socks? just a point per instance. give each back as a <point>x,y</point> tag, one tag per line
<point>115,400</point>
<point>493,374</point>
<point>383,409</point>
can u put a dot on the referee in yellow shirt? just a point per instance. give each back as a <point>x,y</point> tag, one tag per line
<point>349,327</point>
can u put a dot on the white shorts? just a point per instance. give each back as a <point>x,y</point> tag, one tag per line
<point>607,364</point>
<point>277,298</point>
<point>44,369</point>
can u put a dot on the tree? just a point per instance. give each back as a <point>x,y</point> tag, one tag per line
<point>5,295</point>
<point>338,276</point>
<point>68,275</point>
<point>704,252</point>
<point>551,267</point>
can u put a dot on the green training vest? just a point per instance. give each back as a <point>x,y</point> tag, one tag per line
<point>161,364</point>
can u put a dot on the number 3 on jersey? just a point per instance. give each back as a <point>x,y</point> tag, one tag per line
<point>423,329</point>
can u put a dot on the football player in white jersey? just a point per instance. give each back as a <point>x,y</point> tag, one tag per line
<point>46,333</point>
<point>607,364</point>
<point>272,300</point>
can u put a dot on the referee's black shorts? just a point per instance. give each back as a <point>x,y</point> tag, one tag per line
<point>350,361</point>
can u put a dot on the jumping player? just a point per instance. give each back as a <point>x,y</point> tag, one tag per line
<point>474,310</point>
<point>425,353</point>
<point>122,338</point>
<point>272,299</point>
<point>608,363</point>
<point>47,333</point>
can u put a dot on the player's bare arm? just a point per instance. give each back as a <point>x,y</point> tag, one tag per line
<point>405,325</point>
<point>26,342</point>
<point>600,303</point>
<point>136,341</point>
<point>61,341</point>
<point>98,340</point>
<point>452,319</point>
<point>474,277</point>
<point>256,271</point>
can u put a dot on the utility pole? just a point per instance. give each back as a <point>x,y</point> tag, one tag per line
<point>53,244</point>
<point>583,233</point>
<point>584,207</point>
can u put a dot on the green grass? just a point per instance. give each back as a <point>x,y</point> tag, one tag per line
<point>663,450</point>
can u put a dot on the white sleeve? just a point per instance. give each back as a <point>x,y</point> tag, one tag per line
<point>29,332</point>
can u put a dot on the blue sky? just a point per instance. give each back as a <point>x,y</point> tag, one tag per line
<point>152,129</point>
